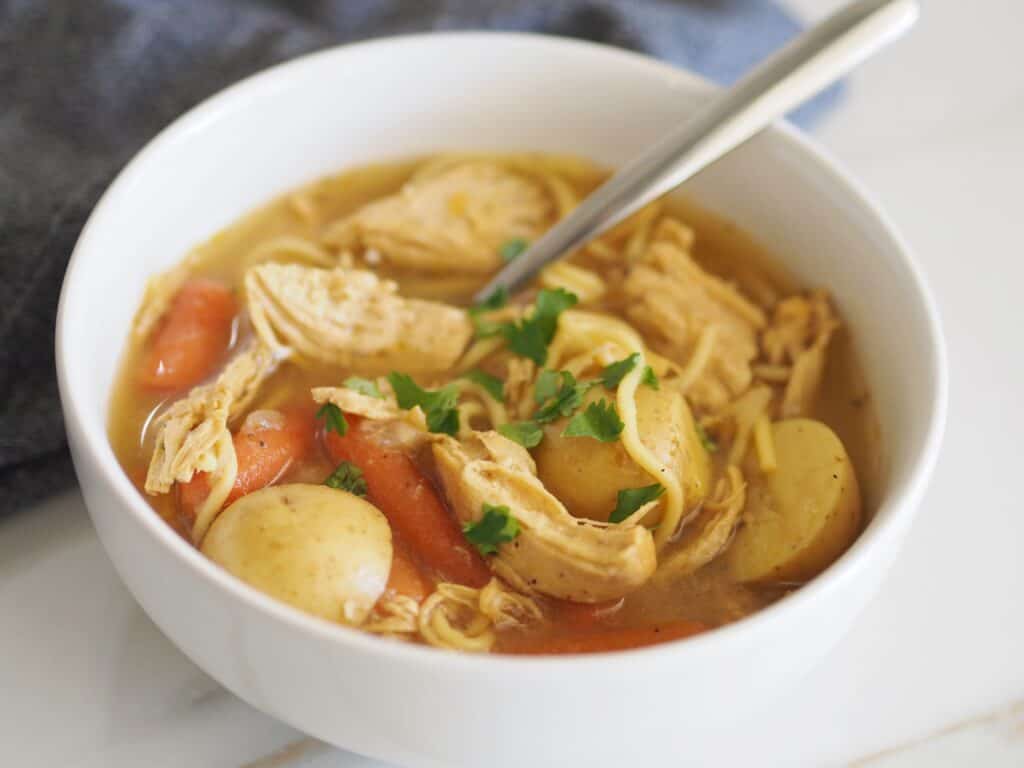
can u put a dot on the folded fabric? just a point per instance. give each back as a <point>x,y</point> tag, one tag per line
<point>85,85</point>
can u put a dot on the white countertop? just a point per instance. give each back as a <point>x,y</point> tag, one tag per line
<point>932,674</point>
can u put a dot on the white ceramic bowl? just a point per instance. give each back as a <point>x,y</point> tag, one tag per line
<point>403,96</point>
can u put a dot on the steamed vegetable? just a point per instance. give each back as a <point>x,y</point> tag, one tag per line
<point>321,550</point>
<point>267,445</point>
<point>587,475</point>
<point>802,516</point>
<point>191,338</point>
<point>411,505</point>
<point>406,578</point>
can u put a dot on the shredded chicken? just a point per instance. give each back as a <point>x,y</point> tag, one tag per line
<point>160,292</point>
<point>350,317</point>
<point>379,408</point>
<point>708,536</point>
<point>739,419</point>
<point>696,319</point>
<point>393,615</point>
<point>555,553</point>
<point>188,433</point>
<point>798,336</point>
<point>453,221</point>
<point>519,380</point>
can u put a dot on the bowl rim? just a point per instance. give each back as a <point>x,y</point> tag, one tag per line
<point>897,506</point>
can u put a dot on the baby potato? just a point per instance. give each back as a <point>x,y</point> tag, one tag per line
<point>319,549</point>
<point>802,516</point>
<point>586,475</point>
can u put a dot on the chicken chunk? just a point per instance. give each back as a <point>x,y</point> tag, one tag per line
<point>453,221</point>
<point>696,319</point>
<point>554,554</point>
<point>350,317</point>
<point>189,433</point>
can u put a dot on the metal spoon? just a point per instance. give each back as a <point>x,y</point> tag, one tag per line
<point>814,60</point>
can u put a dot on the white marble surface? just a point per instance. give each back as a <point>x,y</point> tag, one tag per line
<point>931,675</point>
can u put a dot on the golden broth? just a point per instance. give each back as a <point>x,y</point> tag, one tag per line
<point>709,595</point>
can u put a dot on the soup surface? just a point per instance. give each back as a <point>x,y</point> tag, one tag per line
<point>663,435</point>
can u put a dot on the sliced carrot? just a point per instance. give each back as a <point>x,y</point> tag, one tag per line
<point>192,337</point>
<point>411,505</point>
<point>405,577</point>
<point>264,453</point>
<point>617,639</point>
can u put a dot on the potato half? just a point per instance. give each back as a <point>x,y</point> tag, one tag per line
<point>321,550</point>
<point>586,475</point>
<point>801,517</point>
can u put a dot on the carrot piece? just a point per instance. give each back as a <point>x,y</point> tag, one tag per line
<point>617,639</point>
<point>192,337</point>
<point>264,453</point>
<point>405,577</point>
<point>411,505</point>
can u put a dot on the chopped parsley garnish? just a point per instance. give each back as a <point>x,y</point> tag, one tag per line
<point>497,525</point>
<point>483,326</point>
<point>496,300</point>
<point>492,384</point>
<point>612,375</point>
<point>705,439</point>
<point>363,386</point>
<point>650,378</point>
<point>531,336</point>
<point>558,394</point>
<point>347,477</point>
<point>439,405</point>
<point>598,420</point>
<point>527,433</point>
<point>631,499</point>
<point>512,249</point>
<point>526,339</point>
<point>333,418</point>
<point>547,385</point>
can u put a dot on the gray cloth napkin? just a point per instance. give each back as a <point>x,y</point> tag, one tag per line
<point>85,83</point>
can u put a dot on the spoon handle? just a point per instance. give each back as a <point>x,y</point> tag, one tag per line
<point>812,61</point>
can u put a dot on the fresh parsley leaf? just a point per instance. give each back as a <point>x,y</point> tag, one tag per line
<point>527,433</point>
<point>484,327</point>
<point>558,394</point>
<point>526,338</point>
<point>495,387</point>
<point>705,439</point>
<point>497,525</point>
<point>598,420</point>
<point>650,378</point>
<point>363,386</point>
<point>512,249</point>
<point>531,336</point>
<point>439,405</point>
<point>549,305</point>
<point>547,385</point>
<point>612,375</point>
<point>631,499</point>
<point>347,477</point>
<point>445,421</point>
<point>334,419</point>
<point>496,300</point>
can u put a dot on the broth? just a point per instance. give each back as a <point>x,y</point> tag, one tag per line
<point>710,595</point>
